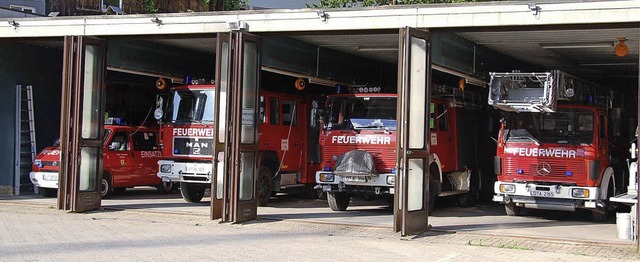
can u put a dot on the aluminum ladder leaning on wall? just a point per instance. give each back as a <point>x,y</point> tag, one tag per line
<point>25,139</point>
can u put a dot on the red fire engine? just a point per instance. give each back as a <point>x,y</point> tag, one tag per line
<point>554,148</point>
<point>187,142</point>
<point>130,154</point>
<point>358,143</point>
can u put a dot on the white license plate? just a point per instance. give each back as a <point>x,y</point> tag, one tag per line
<point>541,193</point>
<point>194,169</point>
<point>360,179</point>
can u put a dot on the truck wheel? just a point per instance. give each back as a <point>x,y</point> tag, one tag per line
<point>264,186</point>
<point>434,186</point>
<point>192,192</point>
<point>512,210</point>
<point>600,214</point>
<point>164,187</point>
<point>106,186</point>
<point>338,201</point>
<point>48,192</point>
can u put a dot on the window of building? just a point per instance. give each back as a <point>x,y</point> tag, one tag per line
<point>107,3</point>
<point>22,8</point>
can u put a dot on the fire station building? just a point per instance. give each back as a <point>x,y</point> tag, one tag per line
<point>60,75</point>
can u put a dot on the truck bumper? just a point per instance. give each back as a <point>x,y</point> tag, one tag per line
<point>381,184</point>
<point>44,179</point>
<point>550,197</point>
<point>171,171</point>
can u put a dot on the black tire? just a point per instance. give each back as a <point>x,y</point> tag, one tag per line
<point>48,192</point>
<point>602,213</point>
<point>164,187</point>
<point>106,186</point>
<point>433,195</point>
<point>264,187</point>
<point>434,186</point>
<point>338,201</point>
<point>512,210</point>
<point>192,192</point>
<point>470,198</point>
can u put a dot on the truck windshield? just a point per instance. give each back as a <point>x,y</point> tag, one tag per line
<point>187,106</point>
<point>573,126</point>
<point>358,113</point>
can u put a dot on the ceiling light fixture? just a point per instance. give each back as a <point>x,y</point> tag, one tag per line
<point>607,44</point>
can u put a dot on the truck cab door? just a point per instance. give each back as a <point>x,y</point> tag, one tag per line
<point>81,123</point>
<point>603,135</point>
<point>118,160</point>
<point>414,95</point>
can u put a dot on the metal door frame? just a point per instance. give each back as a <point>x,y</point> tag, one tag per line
<point>230,208</point>
<point>409,157</point>
<point>70,197</point>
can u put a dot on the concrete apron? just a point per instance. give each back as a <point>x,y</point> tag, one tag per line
<point>485,219</point>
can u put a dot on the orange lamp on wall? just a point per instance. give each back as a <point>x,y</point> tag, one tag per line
<point>621,48</point>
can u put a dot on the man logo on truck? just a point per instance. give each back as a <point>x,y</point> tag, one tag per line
<point>196,146</point>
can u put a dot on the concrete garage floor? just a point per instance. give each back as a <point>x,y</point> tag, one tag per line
<point>484,219</point>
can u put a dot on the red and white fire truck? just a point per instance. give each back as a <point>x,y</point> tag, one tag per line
<point>358,144</point>
<point>553,147</point>
<point>187,142</point>
<point>130,155</point>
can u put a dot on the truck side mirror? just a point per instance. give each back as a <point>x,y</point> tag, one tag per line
<point>317,113</point>
<point>158,113</point>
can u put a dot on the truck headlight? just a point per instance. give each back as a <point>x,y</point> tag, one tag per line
<point>326,177</point>
<point>580,192</point>
<point>507,188</point>
<point>391,180</point>
<point>165,168</point>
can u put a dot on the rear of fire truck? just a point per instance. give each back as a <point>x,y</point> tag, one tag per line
<point>553,147</point>
<point>186,132</point>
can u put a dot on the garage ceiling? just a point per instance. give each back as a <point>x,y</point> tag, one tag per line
<point>589,57</point>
